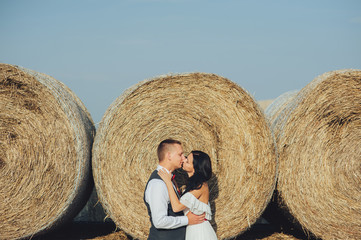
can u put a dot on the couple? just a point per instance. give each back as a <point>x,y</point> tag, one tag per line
<point>165,203</point>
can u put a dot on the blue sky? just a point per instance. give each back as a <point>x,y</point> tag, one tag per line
<point>100,48</point>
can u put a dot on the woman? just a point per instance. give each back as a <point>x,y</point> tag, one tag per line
<point>196,195</point>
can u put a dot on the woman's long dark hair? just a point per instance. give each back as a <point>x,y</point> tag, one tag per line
<point>202,171</point>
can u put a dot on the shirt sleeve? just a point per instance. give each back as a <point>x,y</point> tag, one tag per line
<point>156,195</point>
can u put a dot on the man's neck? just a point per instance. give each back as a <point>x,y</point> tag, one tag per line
<point>166,167</point>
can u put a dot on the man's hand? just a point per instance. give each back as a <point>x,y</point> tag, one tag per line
<point>195,219</point>
<point>167,177</point>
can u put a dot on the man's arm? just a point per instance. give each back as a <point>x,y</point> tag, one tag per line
<point>177,206</point>
<point>157,197</point>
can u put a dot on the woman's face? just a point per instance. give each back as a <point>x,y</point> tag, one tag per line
<point>188,164</point>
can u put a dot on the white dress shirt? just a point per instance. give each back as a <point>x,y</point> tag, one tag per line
<point>156,195</point>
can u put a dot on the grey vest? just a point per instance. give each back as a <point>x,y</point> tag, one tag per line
<point>164,234</point>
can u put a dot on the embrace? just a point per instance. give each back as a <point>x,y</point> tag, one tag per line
<point>175,215</point>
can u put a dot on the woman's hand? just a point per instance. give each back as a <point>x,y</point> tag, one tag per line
<point>167,177</point>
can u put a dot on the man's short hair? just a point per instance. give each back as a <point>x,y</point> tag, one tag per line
<point>163,147</point>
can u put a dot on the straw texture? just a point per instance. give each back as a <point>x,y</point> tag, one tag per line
<point>92,211</point>
<point>45,148</point>
<point>319,146</point>
<point>265,103</point>
<point>205,112</point>
<point>120,235</point>
<point>275,109</point>
<point>279,236</point>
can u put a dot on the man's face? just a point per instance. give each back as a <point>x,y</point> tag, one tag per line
<point>177,156</point>
<point>188,164</point>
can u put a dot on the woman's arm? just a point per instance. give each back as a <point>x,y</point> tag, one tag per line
<point>167,178</point>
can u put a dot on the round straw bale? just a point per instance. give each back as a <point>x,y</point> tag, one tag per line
<point>45,148</point>
<point>274,211</point>
<point>279,236</point>
<point>274,109</point>
<point>120,235</point>
<point>320,154</point>
<point>265,103</point>
<point>205,112</point>
<point>92,211</point>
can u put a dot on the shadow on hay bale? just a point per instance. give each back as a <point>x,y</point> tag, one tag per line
<point>279,236</point>
<point>318,140</point>
<point>205,112</point>
<point>275,212</point>
<point>281,220</point>
<point>46,136</point>
<point>92,211</point>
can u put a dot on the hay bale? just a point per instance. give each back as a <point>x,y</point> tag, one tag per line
<point>319,153</point>
<point>279,236</point>
<point>265,103</point>
<point>92,211</point>
<point>274,109</point>
<point>205,112</point>
<point>120,235</point>
<point>45,149</point>
<point>274,212</point>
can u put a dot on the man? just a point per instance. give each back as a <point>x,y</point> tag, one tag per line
<point>166,224</point>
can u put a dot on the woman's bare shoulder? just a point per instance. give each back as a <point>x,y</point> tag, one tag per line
<point>198,192</point>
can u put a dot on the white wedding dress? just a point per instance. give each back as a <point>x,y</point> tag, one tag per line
<point>202,231</point>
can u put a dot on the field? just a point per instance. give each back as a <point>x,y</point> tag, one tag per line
<point>108,231</point>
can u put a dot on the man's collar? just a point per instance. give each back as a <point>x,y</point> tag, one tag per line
<point>161,167</point>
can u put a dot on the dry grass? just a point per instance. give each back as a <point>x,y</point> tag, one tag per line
<point>45,147</point>
<point>265,103</point>
<point>275,109</point>
<point>205,112</point>
<point>279,236</point>
<point>319,142</point>
<point>275,236</point>
<point>120,235</point>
